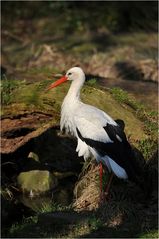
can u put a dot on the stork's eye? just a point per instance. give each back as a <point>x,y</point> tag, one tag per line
<point>69,73</point>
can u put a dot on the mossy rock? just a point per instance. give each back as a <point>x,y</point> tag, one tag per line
<point>35,95</point>
<point>36,181</point>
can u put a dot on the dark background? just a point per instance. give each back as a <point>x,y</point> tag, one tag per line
<point>118,16</point>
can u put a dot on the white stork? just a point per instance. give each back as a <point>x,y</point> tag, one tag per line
<point>96,132</point>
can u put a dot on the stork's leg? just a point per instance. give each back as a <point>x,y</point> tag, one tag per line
<point>101,181</point>
<point>108,186</point>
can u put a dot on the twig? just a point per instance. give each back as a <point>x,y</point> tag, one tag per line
<point>11,35</point>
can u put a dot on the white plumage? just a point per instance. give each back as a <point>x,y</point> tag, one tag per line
<point>89,120</point>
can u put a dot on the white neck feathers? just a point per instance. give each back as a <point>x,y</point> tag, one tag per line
<point>70,104</point>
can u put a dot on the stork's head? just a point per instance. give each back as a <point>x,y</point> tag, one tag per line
<point>73,74</point>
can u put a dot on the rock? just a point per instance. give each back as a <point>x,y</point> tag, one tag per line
<point>36,181</point>
<point>33,156</point>
<point>32,141</point>
<point>150,69</point>
<point>143,70</point>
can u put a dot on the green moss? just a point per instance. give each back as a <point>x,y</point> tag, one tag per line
<point>116,102</point>
<point>92,82</point>
<point>149,118</point>
<point>148,147</point>
<point>35,96</point>
<point>123,97</point>
<point>151,234</point>
<point>36,181</point>
<point>7,88</point>
<point>94,223</point>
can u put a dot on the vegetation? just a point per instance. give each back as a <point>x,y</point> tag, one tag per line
<point>148,116</point>
<point>116,16</point>
<point>123,97</point>
<point>30,227</point>
<point>21,227</point>
<point>7,89</point>
<point>148,147</point>
<point>151,234</point>
<point>117,45</point>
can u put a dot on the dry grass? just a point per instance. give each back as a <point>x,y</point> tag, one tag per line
<point>87,190</point>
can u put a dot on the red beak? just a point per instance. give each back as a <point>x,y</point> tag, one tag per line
<point>58,82</point>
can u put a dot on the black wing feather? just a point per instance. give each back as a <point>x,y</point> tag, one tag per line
<point>114,131</point>
<point>120,150</point>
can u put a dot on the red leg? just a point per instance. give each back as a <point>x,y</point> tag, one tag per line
<point>101,183</point>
